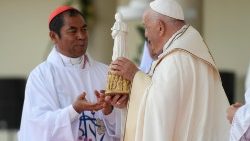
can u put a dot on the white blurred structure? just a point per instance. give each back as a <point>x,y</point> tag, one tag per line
<point>134,10</point>
<point>247,81</point>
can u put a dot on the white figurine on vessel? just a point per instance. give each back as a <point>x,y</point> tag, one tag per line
<point>119,34</point>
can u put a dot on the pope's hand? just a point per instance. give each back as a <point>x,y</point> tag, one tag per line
<point>124,67</point>
<point>118,100</point>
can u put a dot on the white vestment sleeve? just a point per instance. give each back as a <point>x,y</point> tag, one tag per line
<point>146,59</point>
<point>241,121</point>
<point>115,122</point>
<point>43,119</point>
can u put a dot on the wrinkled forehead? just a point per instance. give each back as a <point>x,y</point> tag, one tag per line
<point>148,15</point>
<point>145,15</point>
<point>146,12</point>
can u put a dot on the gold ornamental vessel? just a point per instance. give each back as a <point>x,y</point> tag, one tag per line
<point>117,85</point>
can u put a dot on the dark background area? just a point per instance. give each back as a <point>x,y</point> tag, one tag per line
<point>11,102</point>
<point>228,83</point>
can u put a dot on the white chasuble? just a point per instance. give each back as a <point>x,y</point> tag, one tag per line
<point>140,82</point>
<point>51,89</point>
<point>185,100</point>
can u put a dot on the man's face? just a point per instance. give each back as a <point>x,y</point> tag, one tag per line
<point>151,34</point>
<point>74,37</point>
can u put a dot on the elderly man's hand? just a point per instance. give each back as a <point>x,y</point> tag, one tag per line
<point>231,111</point>
<point>118,100</point>
<point>124,67</point>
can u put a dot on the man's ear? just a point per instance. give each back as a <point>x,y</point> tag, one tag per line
<point>53,36</point>
<point>162,27</point>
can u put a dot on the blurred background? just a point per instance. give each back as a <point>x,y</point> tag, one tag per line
<point>24,42</point>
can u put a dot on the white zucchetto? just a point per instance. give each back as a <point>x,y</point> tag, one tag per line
<point>170,8</point>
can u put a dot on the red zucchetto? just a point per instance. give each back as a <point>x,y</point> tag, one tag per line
<point>59,10</point>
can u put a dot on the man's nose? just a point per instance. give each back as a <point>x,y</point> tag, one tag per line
<point>81,35</point>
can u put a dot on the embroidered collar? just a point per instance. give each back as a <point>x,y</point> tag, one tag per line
<point>173,38</point>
